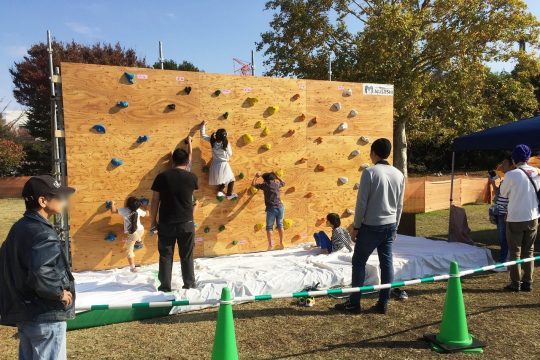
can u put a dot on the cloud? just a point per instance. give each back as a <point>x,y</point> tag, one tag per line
<point>83,29</point>
<point>16,50</point>
<point>171,15</point>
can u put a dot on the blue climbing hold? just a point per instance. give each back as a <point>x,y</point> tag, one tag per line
<point>138,245</point>
<point>130,77</point>
<point>117,162</point>
<point>111,236</point>
<point>122,104</point>
<point>99,128</point>
<point>144,201</point>
<point>143,138</point>
<point>108,204</point>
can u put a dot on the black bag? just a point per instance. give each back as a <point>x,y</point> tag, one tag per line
<point>534,187</point>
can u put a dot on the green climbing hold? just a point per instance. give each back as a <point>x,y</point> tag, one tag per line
<point>234,242</point>
<point>207,229</point>
<point>205,169</point>
<point>217,92</point>
<point>226,115</point>
<point>241,175</point>
<point>221,227</point>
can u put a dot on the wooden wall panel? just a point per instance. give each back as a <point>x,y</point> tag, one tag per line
<point>90,93</point>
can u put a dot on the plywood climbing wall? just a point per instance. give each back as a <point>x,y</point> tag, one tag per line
<point>306,145</point>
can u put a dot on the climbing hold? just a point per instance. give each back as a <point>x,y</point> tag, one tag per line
<point>343,126</point>
<point>138,245</point>
<point>355,153</point>
<point>302,117</point>
<point>221,227</point>
<point>343,179</point>
<point>356,186</point>
<point>253,190</point>
<point>108,204</point>
<point>187,89</point>
<point>130,77</point>
<point>99,128</point>
<point>364,139</point>
<point>295,97</point>
<point>308,195</point>
<point>205,169</point>
<point>234,242</point>
<point>319,140</point>
<point>303,160</point>
<point>353,113</point>
<point>252,101</point>
<point>171,106</point>
<point>319,167</point>
<point>207,229</point>
<point>272,109</point>
<point>220,197</point>
<point>291,132</point>
<point>225,115</point>
<point>217,92</point>
<point>117,162</point>
<point>144,201</point>
<point>241,175</point>
<point>143,138</point>
<point>349,211</point>
<point>265,132</point>
<point>347,92</point>
<point>267,146</point>
<point>259,227</point>
<point>313,121</point>
<point>337,106</point>
<point>364,166</point>
<point>122,104</point>
<point>287,224</point>
<point>247,138</point>
<point>279,173</point>
<point>258,124</point>
<point>290,190</point>
<point>111,236</point>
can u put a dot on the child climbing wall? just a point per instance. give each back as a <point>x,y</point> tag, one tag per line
<point>120,132</point>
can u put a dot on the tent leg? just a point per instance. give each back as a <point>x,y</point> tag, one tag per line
<point>451,193</point>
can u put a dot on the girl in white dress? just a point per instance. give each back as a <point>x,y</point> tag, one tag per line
<point>220,171</point>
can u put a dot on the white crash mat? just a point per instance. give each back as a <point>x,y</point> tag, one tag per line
<point>273,272</point>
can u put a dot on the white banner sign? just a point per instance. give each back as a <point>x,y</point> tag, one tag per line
<point>378,89</point>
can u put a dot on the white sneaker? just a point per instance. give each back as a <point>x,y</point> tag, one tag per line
<point>232,196</point>
<point>501,269</point>
<point>220,194</point>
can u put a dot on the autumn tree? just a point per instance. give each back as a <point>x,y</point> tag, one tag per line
<point>411,44</point>
<point>31,79</point>
<point>170,64</point>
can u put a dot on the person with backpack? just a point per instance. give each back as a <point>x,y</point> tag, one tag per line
<point>520,187</point>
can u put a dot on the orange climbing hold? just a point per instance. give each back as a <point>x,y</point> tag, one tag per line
<point>319,140</point>
<point>291,132</point>
<point>319,167</point>
<point>302,117</point>
<point>313,121</point>
<point>309,195</point>
<point>295,97</point>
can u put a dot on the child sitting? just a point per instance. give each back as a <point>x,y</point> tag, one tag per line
<point>132,214</point>
<point>340,236</point>
<point>274,207</point>
<point>220,172</point>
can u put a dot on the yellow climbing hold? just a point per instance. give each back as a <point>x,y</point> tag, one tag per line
<point>265,132</point>
<point>259,124</point>
<point>259,227</point>
<point>252,100</point>
<point>279,173</point>
<point>287,224</point>
<point>272,109</point>
<point>247,138</point>
<point>267,146</point>
<point>253,190</point>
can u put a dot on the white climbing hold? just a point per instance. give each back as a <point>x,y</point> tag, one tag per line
<point>347,92</point>
<point>349,211</point>
<point>355,153</point>
<point>337,106</point>
<point>343,126</point>
<point>343,179</point>
<point>364,166</point>
<point>364,139</point>
<point>353,113</point>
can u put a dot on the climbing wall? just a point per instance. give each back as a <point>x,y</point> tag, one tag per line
<point>286,125</point>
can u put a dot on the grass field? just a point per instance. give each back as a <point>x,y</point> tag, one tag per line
<point>507,323</point>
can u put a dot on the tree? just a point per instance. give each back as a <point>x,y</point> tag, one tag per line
<point>408,43</point>
<point>11,156</point>
<point>31,79</point>
<point>170,64</point>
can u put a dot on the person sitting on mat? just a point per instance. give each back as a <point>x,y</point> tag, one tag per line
<point>340,236</point>
<point>220,172</point>
<point>274,207</point>
<point>132,214</point>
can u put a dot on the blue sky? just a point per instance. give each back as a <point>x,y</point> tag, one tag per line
<point>208,33</point>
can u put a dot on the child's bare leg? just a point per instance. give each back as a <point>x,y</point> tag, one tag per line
<point>269,237</point>
<point>280,231</point>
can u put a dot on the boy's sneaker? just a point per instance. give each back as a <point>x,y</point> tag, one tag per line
<point>512,288</point>
<point>501,269</point>
<point>134,269</point>
<point>138,245</point>
<point>380,308</point>
<point>233,196</point>
<point>348,307</point>
<point>526,286</point>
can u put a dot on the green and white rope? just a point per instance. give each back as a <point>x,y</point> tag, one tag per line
<point>299,294</point>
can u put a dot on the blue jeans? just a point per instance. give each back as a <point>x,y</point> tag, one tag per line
<point>501,234</point>
<point>42,340</point>
<point>274,215</point>
<point>368,239</point>
<point>323,241</point>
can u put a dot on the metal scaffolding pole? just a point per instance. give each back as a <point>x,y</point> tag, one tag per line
<point>252,63</point>
<point>161,54</point>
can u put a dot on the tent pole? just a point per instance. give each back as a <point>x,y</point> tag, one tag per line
<point>451,193</point>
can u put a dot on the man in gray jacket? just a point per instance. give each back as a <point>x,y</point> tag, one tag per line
<point>378,210</point>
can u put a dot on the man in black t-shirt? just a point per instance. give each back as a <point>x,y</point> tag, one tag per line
<point>173,196</point>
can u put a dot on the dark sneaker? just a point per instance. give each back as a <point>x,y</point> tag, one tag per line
<point>348,307</point>
<point>380,308</point>
<point>512,288</point>
<point>526,286</point>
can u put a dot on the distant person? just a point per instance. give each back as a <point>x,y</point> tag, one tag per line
<point>172,215</point>
<point>220,171</point>
<point>520,187</point>
<point>340,236</point>
<point>132,214</point>
<point>275,211</point>
<point>37,291</point>
<point>378,210</point>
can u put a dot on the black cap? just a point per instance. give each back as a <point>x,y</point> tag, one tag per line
<point>44,185</point>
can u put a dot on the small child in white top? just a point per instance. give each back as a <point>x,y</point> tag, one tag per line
<point>132,214</point>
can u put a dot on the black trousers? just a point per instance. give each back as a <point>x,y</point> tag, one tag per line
<point>168,236</point>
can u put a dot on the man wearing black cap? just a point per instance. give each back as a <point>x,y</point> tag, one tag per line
<point>37,291</point>
<point>378,210</point>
